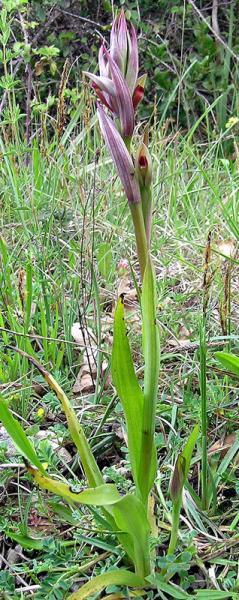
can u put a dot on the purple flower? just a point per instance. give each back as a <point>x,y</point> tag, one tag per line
<point>120,156</point>
<point>124,49</point>
<point>118,86</point>
<point>114,92</point>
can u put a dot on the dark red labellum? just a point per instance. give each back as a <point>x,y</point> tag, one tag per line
<point>143,163</point>
<point>137,96</point>
<point>101,96</point>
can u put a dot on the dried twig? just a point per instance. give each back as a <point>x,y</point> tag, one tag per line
<point>215,20</point>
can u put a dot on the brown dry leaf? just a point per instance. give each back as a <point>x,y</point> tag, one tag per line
<point>83,383</point>
<point>227,248</point>
<point>86,340</point>
<point>22,286</point>
<point>83,336</point>
<point>107,325</point>
<point>183,336</point>
<point>130,294</point>
<point>131,304</point>
<point>223,445</point>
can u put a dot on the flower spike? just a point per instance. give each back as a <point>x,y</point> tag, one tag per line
<point>133,58</point>
<point>119,42</point>
<point>120,157</point>
<point>123,98</point>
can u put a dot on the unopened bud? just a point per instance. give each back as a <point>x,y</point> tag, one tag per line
<point>177,480</point>
<point>144,166</point>
<point>123,267</point>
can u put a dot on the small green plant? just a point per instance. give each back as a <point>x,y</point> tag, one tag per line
<point>120,90</point>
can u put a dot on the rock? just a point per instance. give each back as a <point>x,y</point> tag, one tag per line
<point>14,555</point>
<point>6,440</point>
<point>46,434</point>
<point>64,455</point>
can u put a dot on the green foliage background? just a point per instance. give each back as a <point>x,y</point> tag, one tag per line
<point>188,66</point>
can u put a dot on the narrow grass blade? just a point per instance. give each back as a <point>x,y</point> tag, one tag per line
<point>118,577</point>
<point>127,387</point>
<point>214,595</point>
<point>227,460</point>
<point>28,297</point>
<point>18,435</point>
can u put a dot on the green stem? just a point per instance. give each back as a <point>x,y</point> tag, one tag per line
<point>175,526</point>
<point>146,197</point>
<point>140,235</point>
<point>203,388</point>
<point>98,321</point>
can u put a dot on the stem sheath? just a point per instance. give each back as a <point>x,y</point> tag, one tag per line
<point>175,527</point>
<point>140,236</point>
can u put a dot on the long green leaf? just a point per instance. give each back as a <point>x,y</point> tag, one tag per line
<point>90,466</point>
<point>18,435</point>
<point>178,480</point>
<point>151,350</point>
<point>128,512</point>
<point>227,460</point>
<point>188,450</point>
<point>168,588</point>
<point>214,595</point>
<point>130,516</point>
<point>182,466</point>
<point>25,541</point>
<point>117,577</point>
<point>103,495</point>
<point>127,387</point>
<point>229,361</point>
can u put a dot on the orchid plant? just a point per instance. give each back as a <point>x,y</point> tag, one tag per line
<point>119,90</point>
